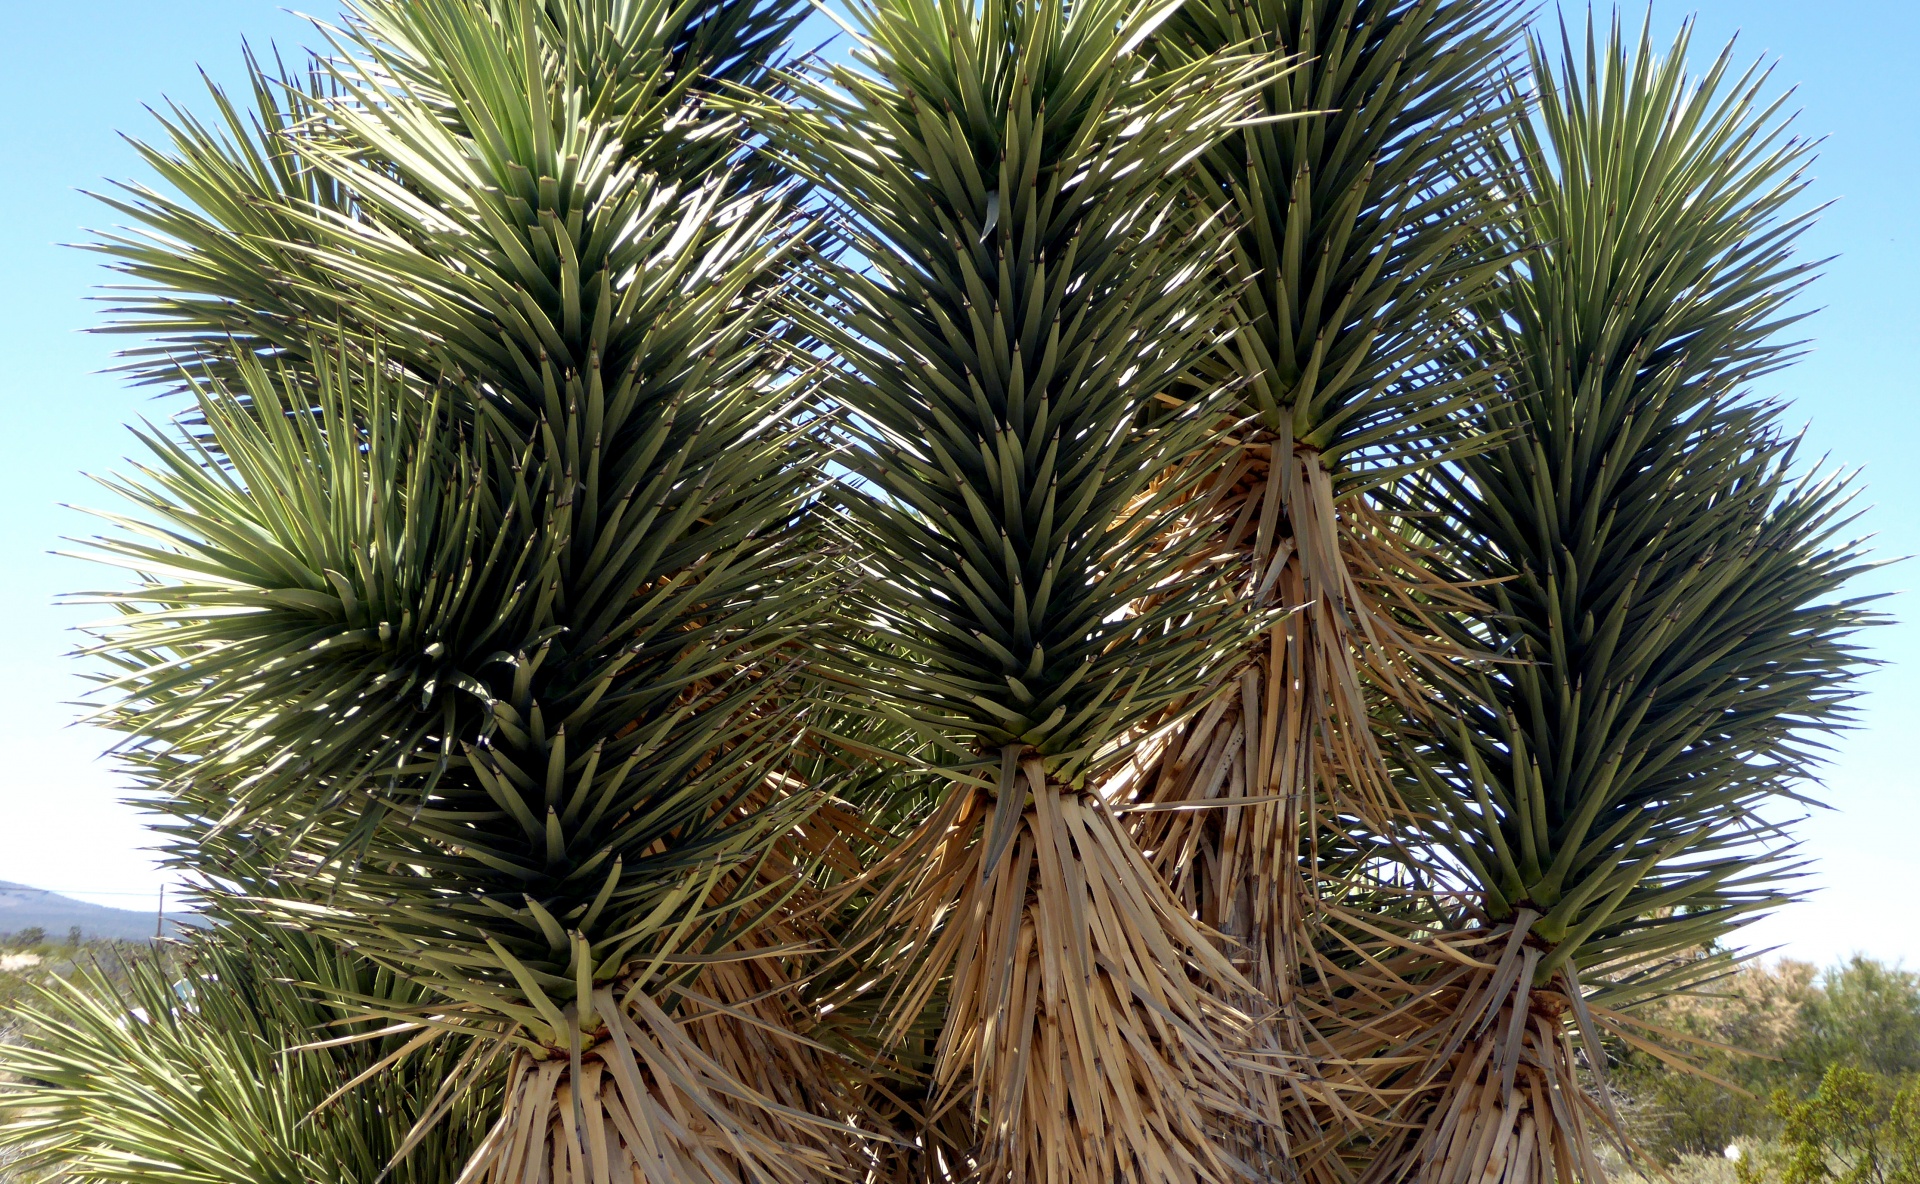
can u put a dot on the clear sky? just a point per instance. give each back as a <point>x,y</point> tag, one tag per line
<point>74,75</point>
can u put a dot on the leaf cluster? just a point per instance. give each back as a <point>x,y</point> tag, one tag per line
<point>472,619</point>
<point>1022,279</point>
<point>220,1062</point>
<point>1362,214</point>
<point>1665,580</point>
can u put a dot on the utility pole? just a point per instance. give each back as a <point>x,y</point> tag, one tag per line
<point>160,914</point>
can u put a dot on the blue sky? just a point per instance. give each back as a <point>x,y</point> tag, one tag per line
<point>73,76</point>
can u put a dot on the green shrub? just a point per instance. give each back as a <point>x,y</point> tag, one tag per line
<point>1859,1127</point>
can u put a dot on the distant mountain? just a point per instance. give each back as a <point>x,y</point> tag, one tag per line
<point>22,907</point>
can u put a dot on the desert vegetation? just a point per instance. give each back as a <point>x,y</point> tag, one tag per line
<point>1077,592</point>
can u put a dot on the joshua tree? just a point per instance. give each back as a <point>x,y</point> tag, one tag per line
<point>1029,277</point>
<point>468,600</point>
<point>1361,224</point>
<point>1104,592</point>
<point>1663,587</point>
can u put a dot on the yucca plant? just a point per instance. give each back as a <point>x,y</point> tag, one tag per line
<point>1360,225</point>
<point>1665,592</point>
<point>469,618</point>
<point>222,1061</point>
<point>1024,274</point>
<point>1139,644</point>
